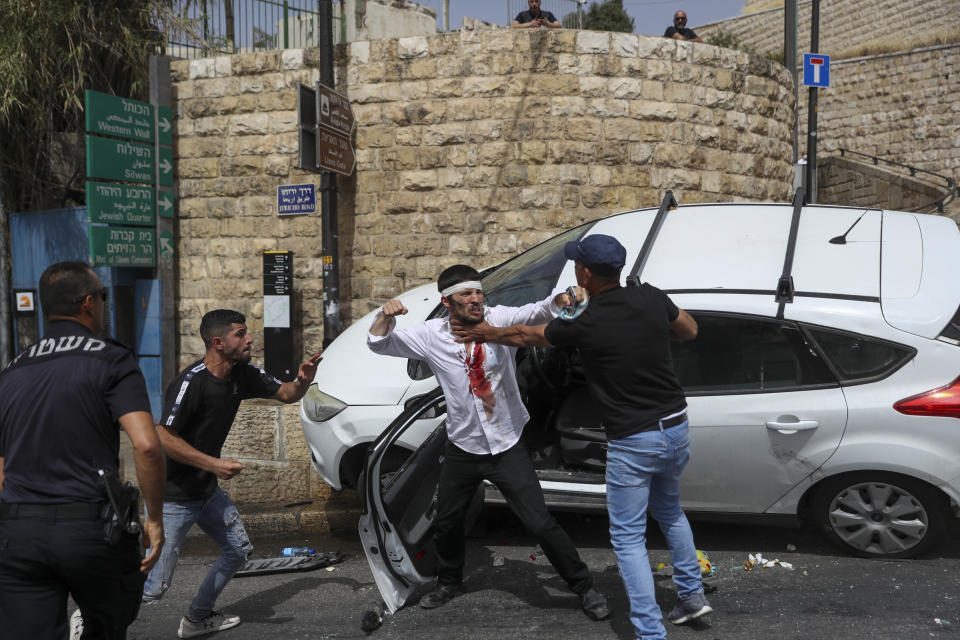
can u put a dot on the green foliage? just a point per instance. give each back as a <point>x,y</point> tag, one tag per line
<point>50,52</point>
<point>724,39</point>
<point>608,15</point>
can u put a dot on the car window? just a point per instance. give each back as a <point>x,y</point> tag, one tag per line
<point>859,358</point>
<point>735,354</point>
<point>532,275</point>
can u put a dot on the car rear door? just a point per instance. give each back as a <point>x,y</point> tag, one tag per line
<point>765,411</point>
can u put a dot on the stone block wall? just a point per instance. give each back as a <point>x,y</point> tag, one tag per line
<point>474,146</point>
<point>471,147</point>
<point>849,182</point>
<point>901,106</point>
<point>843,23</point>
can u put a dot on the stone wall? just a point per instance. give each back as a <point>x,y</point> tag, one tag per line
<point>902,107</point>
<point>471,146</point>
<point>848,182</point>
<point>843,24</point>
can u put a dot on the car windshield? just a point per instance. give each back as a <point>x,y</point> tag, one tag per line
<point>532,275</point>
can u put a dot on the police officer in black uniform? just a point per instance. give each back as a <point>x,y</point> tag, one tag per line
<point>60,404</point>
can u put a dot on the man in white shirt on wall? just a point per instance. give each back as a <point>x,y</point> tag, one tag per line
<point>485,419</point>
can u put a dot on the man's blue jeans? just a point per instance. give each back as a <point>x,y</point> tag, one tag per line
<point>220,520</point>
<point>643,472</point>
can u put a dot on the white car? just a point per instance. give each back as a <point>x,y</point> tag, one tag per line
<point>823,383</point>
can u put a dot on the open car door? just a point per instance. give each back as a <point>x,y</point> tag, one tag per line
<point>396,527</point>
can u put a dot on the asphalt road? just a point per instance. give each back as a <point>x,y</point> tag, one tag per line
<point>826,595</point>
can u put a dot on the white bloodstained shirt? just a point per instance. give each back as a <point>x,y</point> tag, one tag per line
<point>484,411</point>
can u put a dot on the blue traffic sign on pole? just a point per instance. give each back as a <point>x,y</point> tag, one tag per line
<point>816,70</point>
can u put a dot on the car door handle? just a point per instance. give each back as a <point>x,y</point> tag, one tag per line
<point>792,427</point>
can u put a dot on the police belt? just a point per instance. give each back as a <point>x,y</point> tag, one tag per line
<point>62,511</point>
<point>666,423</point>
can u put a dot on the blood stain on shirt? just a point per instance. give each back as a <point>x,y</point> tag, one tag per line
<point>479,384</point>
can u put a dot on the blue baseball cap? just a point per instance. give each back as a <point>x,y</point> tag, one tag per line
<point>600,253</point>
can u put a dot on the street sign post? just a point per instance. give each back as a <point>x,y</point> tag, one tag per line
<point>122,246</point>
<point>119,160</point>
<point>296,199</point>
<point>335,123</point>
<point>335,152</point>
<point>333,111</point>
<point>816,70</point>
<point>120,203</point>
<point>115,116</point>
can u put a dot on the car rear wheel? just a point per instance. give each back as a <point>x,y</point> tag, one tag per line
<point>881,515</point>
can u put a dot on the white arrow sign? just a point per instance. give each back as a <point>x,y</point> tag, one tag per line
<point>164,124</point>
<point>165,166</point>
<point>164,201</point>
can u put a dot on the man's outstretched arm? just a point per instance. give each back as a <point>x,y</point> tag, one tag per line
<point>518,335</point>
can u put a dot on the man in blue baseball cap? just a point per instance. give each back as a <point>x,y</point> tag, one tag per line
<point>624,337</point>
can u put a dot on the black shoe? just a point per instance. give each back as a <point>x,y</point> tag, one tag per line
<point>594,604</point>
<point>440,596</point>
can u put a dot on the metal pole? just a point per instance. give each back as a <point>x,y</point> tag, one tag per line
<point>811,181</point>
<point>446,15</point>
<point>166,271</point>
<point>330,236</point>
<point>790,62</point>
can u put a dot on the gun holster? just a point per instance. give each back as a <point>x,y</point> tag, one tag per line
<point>121,513</point>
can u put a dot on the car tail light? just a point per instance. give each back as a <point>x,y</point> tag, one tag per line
<point>944,401</point>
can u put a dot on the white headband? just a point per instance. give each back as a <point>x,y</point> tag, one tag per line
<point>460,286</point>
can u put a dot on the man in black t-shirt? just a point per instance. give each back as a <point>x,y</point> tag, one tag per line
<point>534,18</point>
<point>198,411</point>
<point>679,31</point>
<point>63,402</point>
<point>624,336</point>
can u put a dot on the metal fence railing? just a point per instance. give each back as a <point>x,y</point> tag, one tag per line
<point>202,28</point>
<point>950,185</point>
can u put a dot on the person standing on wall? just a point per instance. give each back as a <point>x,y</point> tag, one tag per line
<point>679,30</point>
<point>534,18</point>
<point>199,408</point>
<point>63,402</point>
<point>624,336</point>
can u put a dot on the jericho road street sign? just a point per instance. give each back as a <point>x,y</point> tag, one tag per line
<point>115,116</point>
<point>119,160</point>
<point>120,203</point>
<point>333,111</point>
<point>122,246</point>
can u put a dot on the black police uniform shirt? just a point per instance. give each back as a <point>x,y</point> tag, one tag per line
<point>60,400</point>
<point>624,338</point>
<point>525,16</point>
<point>685,32</point>
<point>200,408</point>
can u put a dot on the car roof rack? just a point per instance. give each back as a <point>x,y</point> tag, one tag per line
<point>785,288</point>
<point>668,204</point>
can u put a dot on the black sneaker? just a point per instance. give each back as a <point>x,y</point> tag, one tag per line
<point>594,604</point>
<point>440,596</point>
<point>691,608</point>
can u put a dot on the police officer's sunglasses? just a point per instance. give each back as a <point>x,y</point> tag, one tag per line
<point>101,292</point>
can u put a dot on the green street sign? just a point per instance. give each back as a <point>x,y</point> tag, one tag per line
<point>165,125</point>
<point>166,246</point>
<point>122,247</point>
<point>165,203</point>
<point>115,116</point>
<point>166,166</point>
<point>120,203</point>
<point>118,160</point>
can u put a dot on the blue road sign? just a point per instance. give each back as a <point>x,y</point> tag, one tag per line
<point>816,70</point>
<point>293,199</point>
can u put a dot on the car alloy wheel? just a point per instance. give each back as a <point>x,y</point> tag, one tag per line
<point>881,516</point>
